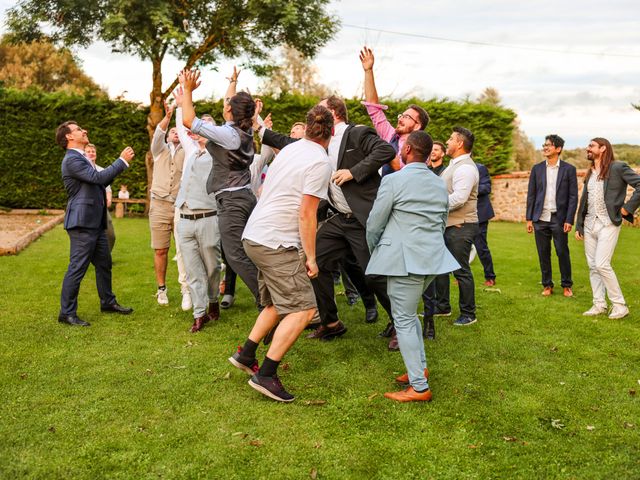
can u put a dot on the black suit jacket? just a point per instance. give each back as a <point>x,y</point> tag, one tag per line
<point>87,205</point>
<point>363,153</point>
<point>566,192</point>
<point>485,209</point>
<point>615,191</point>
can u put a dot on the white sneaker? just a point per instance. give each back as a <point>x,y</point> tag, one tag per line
<point>162,297</point>
<point>619,311</point>
<point>186,302</point>
<point>595,310</point>
<point>227,301</point>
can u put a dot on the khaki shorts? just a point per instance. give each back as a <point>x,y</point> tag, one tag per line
<point>282,278</point>
<point>161,218</point>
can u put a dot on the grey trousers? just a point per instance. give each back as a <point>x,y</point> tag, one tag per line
<point>200,246</point>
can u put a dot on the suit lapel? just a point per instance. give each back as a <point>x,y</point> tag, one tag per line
<point>343,145</point>
<point>561,172</point>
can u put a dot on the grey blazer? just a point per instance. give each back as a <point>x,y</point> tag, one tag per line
<point>615,191</point>
<point>405,229</point>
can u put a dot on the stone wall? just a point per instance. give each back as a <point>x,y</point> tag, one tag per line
<point>509,195</point>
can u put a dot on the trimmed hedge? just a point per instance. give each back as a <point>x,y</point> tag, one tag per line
<point>30,159</point>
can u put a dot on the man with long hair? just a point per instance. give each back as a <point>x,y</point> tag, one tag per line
<point>602,208</point>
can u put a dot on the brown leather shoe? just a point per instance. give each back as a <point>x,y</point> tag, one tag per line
<point>547,291</point>
<point>568,292</point>
<point>214,312</point>
<point>393,343</point>
<point>404,378</point>
<point>489,282</point>
<point>324,332</point>
<point>409,395</point>
<point>198,323</point>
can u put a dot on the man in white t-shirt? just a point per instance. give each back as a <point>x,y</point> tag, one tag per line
<point>280,239</point>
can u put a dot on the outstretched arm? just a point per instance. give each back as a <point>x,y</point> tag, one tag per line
<point>367,59</point>
<point>233,83</point>
<point>190,80</point>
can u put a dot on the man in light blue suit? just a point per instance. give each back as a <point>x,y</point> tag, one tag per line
<point>405,233</point>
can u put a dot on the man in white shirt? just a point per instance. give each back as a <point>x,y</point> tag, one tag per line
<point>461,178</point>
<point>280,239</point>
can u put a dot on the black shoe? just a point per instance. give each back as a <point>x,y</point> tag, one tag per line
<point>429,328</point>
<point>73,320</point>
<point>352,298</point>
<point>388,331</point>
<point>371,315</point>
<point>271,387</point>
<point>246,364</point>
<point>442,313</point>
<point>116,308</point>
<point>325,333</point>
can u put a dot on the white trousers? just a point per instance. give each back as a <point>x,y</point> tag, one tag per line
<point>182,274</point>
<point>599,244</point>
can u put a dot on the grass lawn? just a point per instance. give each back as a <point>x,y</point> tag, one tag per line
<point>533,390</point>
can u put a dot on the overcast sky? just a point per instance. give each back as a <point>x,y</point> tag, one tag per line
<point>575,95</point>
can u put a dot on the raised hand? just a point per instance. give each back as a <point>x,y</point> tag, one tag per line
<point>268,122</point>
<point>191,79</point>
<point>168,110</point>
<point>234,76</point>
<point>366,58</point>
<point>177,95</point>
<point>127,154</point>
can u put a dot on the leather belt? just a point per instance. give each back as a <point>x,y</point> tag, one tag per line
<point>196,216</point>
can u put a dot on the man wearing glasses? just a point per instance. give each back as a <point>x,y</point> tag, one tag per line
<point>552,200</point>
<point>412,119</point>
<point>85,221</point>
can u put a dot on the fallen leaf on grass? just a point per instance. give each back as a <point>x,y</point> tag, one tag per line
<point>510,439</point>
<point>255,443</point>
<point>178,366</point>
<point>495,290</point>
<point>148,371</point>
<point>285,366</point>
<point>227,376</point>
<point>557,423</point>
<point>628,425</point>
<point>313,474</point>
<point>632,392</point>
<point>372,396</point>
<point>554,349</point>
<point>315,402</point>
<point>240,434</point>
<point>473,446</point>
<point>189,344</point>
<point>317,445</point>
<point>562,383</point>
<point>52,429</point>
<point>23,376</point>
<point>591,428</point>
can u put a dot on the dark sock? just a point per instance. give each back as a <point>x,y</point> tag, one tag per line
<point>421,391</point>
<point>269,367</point>
<point>162,287</point>
<point>249,349</point>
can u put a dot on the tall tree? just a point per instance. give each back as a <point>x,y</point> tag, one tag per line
<point>198,31</point>
<point>41,65</point>
<point>294,74</point>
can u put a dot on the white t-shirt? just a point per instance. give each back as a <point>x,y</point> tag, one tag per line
<point>301,168</point>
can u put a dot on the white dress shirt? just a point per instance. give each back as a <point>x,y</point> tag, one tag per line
<point>464,179</point>
<point>336,197</point>
<point>549,205</point>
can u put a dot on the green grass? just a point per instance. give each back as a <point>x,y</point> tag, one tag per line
<point>140,397</point>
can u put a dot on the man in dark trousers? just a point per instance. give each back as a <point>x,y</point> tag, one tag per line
<point>552,200</point>
<point>485,213</point>
<point>356,153</point>
<point>86,221</point>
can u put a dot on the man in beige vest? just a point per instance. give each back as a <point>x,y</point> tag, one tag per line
<point>461,178</point>
<point>168,157</point>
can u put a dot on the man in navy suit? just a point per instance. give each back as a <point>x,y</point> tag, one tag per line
<point>485,213</point>
<point>552,200</point>
<point>86,221</point>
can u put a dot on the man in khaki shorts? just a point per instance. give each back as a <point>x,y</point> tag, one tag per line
<point>280,239</point>
<point>168,157</point>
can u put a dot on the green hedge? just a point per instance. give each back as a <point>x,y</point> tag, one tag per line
<point>30,159</point>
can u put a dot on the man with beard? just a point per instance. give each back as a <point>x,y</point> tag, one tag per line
<point>412,119</point>
<point>436,159</point>
<point>602,208</point>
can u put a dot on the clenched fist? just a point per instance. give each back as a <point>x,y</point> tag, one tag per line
<point>127,154</point>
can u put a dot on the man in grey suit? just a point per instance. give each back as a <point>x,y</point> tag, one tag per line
<point>405,233</point>
<point>85,221</point>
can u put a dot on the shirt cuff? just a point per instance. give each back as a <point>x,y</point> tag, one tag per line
<point>125,162</point>
<point>195,125</point>
<point>377,106</point>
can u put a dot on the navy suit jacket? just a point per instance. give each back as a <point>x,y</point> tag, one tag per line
<point>566,192</point>
<point>485,209</point>
<point>85,186</point>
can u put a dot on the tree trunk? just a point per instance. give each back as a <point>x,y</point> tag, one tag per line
<point>156,112</point>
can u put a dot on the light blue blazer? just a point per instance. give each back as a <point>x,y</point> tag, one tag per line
<point>405,229</point>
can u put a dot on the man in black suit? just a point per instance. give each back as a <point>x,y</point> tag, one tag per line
<point>485,213</point>
<point>358,154</point>
<point>86,221</point>
<point>552,200</point>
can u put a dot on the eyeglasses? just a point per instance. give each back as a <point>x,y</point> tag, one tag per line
<point>80,129</point>
<point>550,145</point>
<point>406,115</point>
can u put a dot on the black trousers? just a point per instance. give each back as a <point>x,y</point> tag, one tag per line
<point>432,301</point>
<point>337,237</point>
<point>87,245</point>
<point>544,233</point>
<point>458,240</point>
<point>229,277</point>
<point>484,254</point>
<point>234,209</point>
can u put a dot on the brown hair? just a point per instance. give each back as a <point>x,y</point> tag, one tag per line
<point>423,116</point>
<point>62,131</point>
<point>319,123</point>
<point>338,106</point>
<point>442,145</point>
<point>607,157</point>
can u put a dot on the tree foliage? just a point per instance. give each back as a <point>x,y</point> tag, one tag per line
<point>296,75</point>
<point>39,64</point>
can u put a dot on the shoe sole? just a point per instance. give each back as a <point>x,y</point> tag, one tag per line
<point>267,393</point>
<point>465,324</point>
<point>330,336</point>
<point>617,317</point>
<point>442,314</point>
<point>241,366</point>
